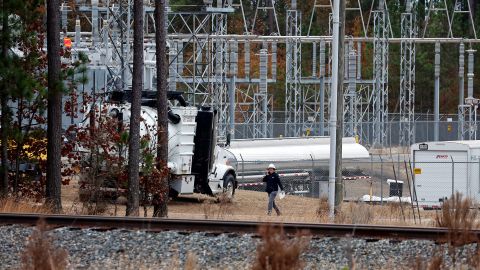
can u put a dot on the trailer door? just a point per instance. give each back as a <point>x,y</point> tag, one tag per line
<point>437,177</point>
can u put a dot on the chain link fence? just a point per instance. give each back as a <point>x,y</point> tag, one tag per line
<point>449,128</point>
<point>377,181</point>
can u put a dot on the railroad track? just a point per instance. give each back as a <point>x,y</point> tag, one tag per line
<point>216,226</point>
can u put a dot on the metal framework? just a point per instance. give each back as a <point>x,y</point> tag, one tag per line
<point>294,116</point>
<point>468,110</point>
<point>434,8</point>
<point>407,78</point>
<point>351,109</point>
<point>380,74</point>
<point>462,7</point>
<point>266,6</point>
<point>235,72</point>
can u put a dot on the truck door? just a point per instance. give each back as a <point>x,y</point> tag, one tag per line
<point>437,177</point>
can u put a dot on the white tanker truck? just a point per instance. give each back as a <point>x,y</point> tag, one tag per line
<point>198,163</point>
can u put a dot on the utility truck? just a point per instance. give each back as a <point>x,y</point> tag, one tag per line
<point>200,163</point>
<point>192,141</point>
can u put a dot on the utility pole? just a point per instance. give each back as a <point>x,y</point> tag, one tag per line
<point>340,106</point>
<point>335,108</point>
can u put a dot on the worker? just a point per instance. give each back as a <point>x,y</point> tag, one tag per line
<point>273,183</point>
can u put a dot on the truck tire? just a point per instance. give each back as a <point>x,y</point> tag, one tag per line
<point>229,186</point>
<point>172,193</point>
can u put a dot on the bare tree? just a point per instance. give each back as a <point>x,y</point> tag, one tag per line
<point>54,136</point>
<point>137,87</point>
<point>160,208</point>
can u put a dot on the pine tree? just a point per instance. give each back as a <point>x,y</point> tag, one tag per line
<point>54,136</point>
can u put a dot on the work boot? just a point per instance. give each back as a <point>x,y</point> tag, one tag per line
<point>278,212</point>
<point>269,213</point>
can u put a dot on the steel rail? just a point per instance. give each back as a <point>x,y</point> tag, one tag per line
<point>219,226</point>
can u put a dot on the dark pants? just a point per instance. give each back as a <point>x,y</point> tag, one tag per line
<point>271,202</point>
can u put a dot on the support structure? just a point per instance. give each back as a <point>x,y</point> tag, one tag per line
<point>220,85</point>
<point>436,96</point>
<point>469,110</point>
<point>463,7</point>
<point>407,78</point>
<point>351,113</point>
<point>293,88</point>
<point>461,91</point>
<point>261,100</point>
<point>266,6</point>
<point>215,67</point>
<point>380,87</point>
<point>436,7</point>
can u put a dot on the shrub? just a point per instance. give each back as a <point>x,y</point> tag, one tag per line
<point>460,218</point>
<point>40,254</point>
<point>277,251</point>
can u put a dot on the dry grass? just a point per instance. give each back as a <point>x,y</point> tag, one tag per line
<point>277,251</point>
<point>40,254</point>
<point>191,262</point>
<point>125,262</point>
<point>17,205</point>
<point>460,217</point>
<point>355,213</point>
<point>218,209</point>
<point>246,206</point>
<point>323,210</point>
<point>363,213</point>
<point>435,263</point>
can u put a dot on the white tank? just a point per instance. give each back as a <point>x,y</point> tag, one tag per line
<point>292,149</point>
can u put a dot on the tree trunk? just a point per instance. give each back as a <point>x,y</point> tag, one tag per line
<point>5,110</point>
<point>54,136</point>
<point>160,208</point>
<point>137,87</point>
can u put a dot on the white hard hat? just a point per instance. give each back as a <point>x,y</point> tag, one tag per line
<point>271,166</point>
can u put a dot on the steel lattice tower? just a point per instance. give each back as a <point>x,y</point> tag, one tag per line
<point>380,87</point>
<point>407,77</point>
<point>293,89</point>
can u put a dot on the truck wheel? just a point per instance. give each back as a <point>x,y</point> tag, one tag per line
<point>229,186</point>
<point>172,193</point>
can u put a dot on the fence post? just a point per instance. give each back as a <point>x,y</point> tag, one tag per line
<point>453,176</point>
<point>314,180</point>
<point>381,179</point>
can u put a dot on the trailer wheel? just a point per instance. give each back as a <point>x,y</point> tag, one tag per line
<point>229,186</point>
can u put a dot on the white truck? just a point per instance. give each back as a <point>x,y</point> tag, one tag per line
<point>192,142</point>
<point>198,163</point>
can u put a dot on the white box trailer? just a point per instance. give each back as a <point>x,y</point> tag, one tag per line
<point>443,168</point>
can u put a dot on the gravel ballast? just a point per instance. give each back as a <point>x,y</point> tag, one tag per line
<point>120,249</point>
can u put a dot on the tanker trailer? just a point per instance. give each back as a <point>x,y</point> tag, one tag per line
<point>301,162</point>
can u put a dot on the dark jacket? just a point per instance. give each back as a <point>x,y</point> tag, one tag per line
<point>273,182</point>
